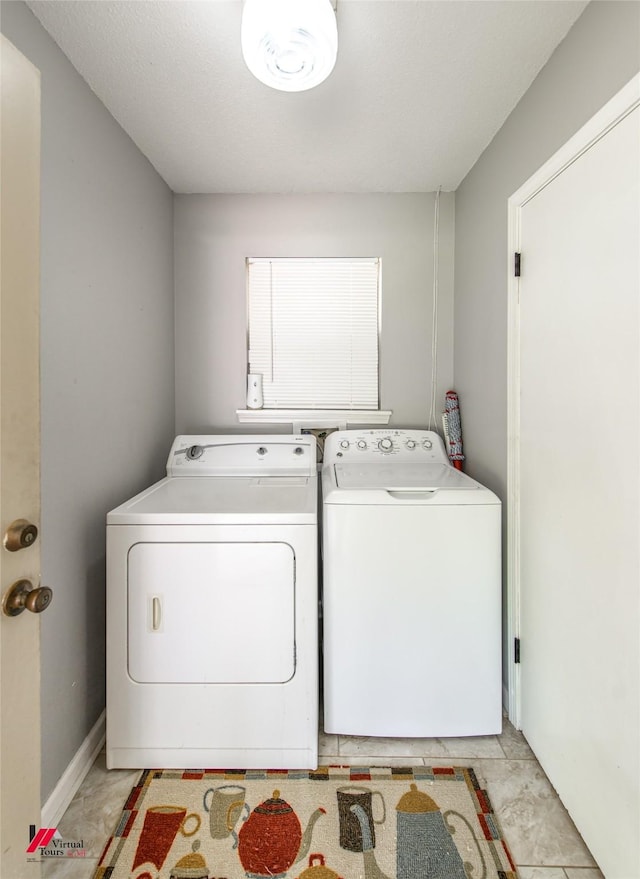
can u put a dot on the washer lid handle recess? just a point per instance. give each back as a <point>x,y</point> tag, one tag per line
<point>412,494</point>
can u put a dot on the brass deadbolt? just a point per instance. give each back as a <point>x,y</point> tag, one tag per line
<point>23,596</point>
<point>20,535</point>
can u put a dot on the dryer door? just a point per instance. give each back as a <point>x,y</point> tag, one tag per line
<point>211,612</point>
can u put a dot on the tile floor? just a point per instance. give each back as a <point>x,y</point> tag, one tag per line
<point>541,836</point>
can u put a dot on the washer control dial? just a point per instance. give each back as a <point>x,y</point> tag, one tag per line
<point>410,444</point>
<point>427,444</point>
<point>385,444</point>
<point>362,444</point>
<point>194,452</point>
<point>344,444</point>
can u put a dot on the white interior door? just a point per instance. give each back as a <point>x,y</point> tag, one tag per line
<point>579,490</point>
<point>19,458</point>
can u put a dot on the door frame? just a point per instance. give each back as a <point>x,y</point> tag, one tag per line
<point>623,103</point>
<point>21,740</point>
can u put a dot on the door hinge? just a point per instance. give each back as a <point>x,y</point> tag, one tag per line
<point>516,650</point>
<point>516,264</point>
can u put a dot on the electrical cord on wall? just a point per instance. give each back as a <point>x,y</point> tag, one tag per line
<point>434,320</point>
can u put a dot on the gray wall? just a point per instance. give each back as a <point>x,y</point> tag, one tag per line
<point>599,55</point>
<point>215,233</point>
<point>107,364</point>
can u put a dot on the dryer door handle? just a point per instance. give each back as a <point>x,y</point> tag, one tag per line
<point>156,613</point>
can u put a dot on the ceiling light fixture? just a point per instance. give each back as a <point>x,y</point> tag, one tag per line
<point>290,45</point>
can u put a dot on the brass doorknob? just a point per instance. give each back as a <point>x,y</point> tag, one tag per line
<point>23,596</point>
<point>19,535</point>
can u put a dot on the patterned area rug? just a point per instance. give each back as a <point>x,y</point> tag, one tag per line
<point>354,823</point>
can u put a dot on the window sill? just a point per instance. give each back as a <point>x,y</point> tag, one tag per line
<point>314,417</point>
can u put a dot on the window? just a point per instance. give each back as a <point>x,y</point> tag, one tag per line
<point>313,332</point>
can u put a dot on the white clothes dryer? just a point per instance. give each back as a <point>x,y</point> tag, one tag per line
<point>411,590</point>
<point>212,609</point>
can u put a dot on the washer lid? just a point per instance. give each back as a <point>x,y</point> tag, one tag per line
<point>401,484</point>
<point>259,500</point>
<point>402,477</point>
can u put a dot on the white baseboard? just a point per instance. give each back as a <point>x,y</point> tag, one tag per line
<point>74,774</point>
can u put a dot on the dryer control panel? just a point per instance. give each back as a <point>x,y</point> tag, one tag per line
<point>421,446</point>
<point>228,455</point>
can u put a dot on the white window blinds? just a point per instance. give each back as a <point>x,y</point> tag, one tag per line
<point>313,332</point>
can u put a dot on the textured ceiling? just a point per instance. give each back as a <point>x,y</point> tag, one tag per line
<point>419,90</point>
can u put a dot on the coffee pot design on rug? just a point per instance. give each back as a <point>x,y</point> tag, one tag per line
<point>333,823</point>
<point>271,840</point>
<point>425,841</point>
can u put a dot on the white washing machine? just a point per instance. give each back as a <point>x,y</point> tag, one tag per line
<point>212,609</point>
<point>411,590</point>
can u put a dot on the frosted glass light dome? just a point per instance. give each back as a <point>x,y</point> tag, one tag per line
<point>290,45</point>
